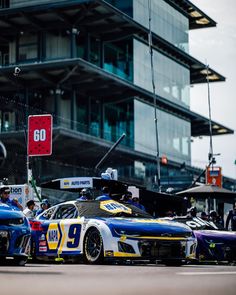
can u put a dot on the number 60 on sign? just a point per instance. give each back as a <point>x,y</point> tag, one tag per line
<point>40,135</point>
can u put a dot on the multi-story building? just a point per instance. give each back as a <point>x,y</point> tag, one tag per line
<point>88,64</point>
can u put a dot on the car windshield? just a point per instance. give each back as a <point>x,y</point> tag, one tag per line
<point>90,209</point>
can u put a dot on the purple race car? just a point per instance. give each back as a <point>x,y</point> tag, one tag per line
<point>214,244</point>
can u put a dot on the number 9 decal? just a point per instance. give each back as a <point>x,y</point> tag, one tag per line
<point>74,236</point>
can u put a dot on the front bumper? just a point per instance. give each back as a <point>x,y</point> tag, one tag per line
<point>14,242</point>
<point>154,248</point>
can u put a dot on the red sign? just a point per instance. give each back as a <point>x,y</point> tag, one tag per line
<point>40,135</point>
<point>214,176</point>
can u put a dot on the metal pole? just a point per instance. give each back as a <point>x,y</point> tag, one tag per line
<point>158,171</point>
<point>110,150</point>
<point>210,156</point>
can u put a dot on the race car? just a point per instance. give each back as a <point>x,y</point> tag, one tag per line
<point>109,230</point>
<point>15,234</point>
<point>213,243</point>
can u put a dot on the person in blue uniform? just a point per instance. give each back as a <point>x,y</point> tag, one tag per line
<point>135,202</point>
<point>127,198</point>
<point>4,198</point>
<point>85,195</point>
<point>44,206</point>
<point>105,195</point>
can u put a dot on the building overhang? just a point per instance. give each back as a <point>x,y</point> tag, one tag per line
<point>84,150</point>
<point>76,73</point>
<point>100,19</point>
<point>197,18</point>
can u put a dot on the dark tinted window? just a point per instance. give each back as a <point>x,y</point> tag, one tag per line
<point>66,212</point>
<point>91,209</point>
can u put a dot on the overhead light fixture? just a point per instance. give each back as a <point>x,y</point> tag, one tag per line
<point>215,126</point>
<point>195,13</point>
<point>205,72</point>
<point>222,130</point>
<point>202,21</point>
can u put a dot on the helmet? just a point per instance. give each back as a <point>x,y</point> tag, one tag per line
<point>45,201</point>
<point>85,192</point>
<point>192,211</point>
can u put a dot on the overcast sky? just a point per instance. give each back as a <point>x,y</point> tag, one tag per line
<point>217,47</point>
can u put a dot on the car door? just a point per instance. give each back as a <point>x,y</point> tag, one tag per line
<point>64,230</point>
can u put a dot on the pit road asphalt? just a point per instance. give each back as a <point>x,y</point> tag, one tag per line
<point>66,279</point>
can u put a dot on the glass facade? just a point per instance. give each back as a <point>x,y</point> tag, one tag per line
<point>118,58</point>
<point>19,3</point>
<point>166,21</point>
<point>105,120</point>
<point>172,80</point>
<point>57,45</point>
<point>174,133</point>
<point>118,119</point>
<point>73,106</point>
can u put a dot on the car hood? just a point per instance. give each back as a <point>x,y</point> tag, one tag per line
<point>216,234</point>
<point>7,212</point>
<point>147,227</point>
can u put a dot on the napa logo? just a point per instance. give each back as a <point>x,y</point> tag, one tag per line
<point>66,183</point>
<point>53,236</point>
<point>114,207</point>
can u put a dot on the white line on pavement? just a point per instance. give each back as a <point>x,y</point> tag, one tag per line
<point>207,273</point>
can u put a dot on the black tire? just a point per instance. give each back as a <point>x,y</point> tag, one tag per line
<point>173,262</point>
<point>93,247</point>
<point>20,261</point>
<point>2,260</point>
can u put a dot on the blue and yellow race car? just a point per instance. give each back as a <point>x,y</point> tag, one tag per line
<point>15,235</point>
<point>109,230</point>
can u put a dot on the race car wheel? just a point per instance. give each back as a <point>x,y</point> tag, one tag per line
<point>93,247</point>
<point>173,262</point>
<point>20,261</point>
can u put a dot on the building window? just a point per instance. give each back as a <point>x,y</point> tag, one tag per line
<point>94,56</point>
<point>167,22</point>
<point>118,58</point>
<point>7,121</point>
<point>95,117</point>
<point>118,119</point>
<point>174,133</point>
<point>139,169</point>
<point>125,6</point>
<point>58,45</point>
<point>4,55</point>
<point>28,47</point>
<point>171,78</point>
<point>4,4</point>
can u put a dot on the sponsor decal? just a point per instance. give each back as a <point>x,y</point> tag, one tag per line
<point>123,238</point>
<point>76,182</point>
<point>198,222</point>
<point>114,207</point>
<point>42,237</point>
<point>109,253</point>
<point>42,249</point>
<point>53,236</point>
